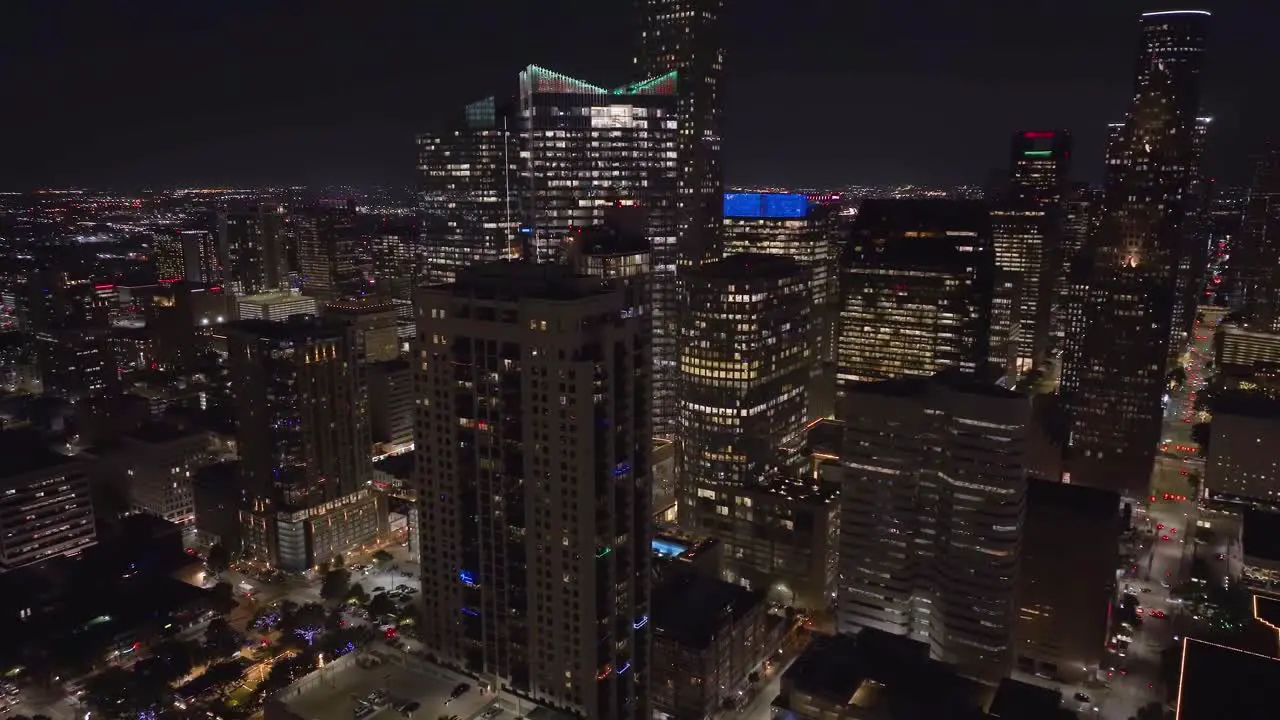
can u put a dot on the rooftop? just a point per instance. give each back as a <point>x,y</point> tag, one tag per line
<point>1081,501</point>
<point>514,281</point>
<point>874,669</point>
<point>750,266</point>
<point>689,609</point>
<point>1216,681</point>
<point>25,450</point>
<point>159,432</point>
<point>297,328</point>
<point>1261,536</point>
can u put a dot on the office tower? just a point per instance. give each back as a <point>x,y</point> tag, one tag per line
<point>251,249</point>
<point>746,351</point>
<point>685,36</point>
<point>1026,229</point>
<point>1065,589</point>
<point>468,199</point>
<point>533,454</point>
<point>932,514</point>
<point>1130,296</point>
<point>1081,214</point>
<point>329,257</point>
<point>70,321</point>
<point>299,441</point>
<point>187,255</point>
<point>391,401</point>
<point>916,289</point>
<point>45,509</point>
<point>789,226</point>
<point>396,257</point>
<point>588,150</point>
<point>1255,261</point>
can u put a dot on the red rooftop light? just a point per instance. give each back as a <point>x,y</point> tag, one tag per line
<point>1034,135</point>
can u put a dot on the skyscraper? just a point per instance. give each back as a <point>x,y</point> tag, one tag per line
<point>189,255</point>
<point>686,36</point>
<point>467,191</point>
<point>299,441</point>
<point>1131,296</point>
<point>533,472</point>
<point>916,289</point>
<point>790,226</point>
<point>1255,261</point>
<point>304,452</point>
<point>1026,229</point>
<point>586,150</point>
<point>329,255</point>
<point>251,249</point>
<point>931,514</point>
<point>746,351</point>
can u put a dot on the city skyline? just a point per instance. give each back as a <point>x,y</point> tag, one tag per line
<point>278,95</point>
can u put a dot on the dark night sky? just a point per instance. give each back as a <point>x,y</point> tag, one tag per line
<point>818,91</point>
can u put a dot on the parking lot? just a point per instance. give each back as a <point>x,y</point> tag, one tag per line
<point>336,696</point>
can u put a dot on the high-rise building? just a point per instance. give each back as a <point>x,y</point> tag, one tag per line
<point>587,150</point>
<point>70,321</point>
<point>329,256</point>
<point>1026,229</point>
<point>1065,590</point>
<point>533,450</point>
<point>187,255</point>
<point>1131,300</point>
<point>1081,214</point>
<point>468,191</point>
<point>916,289</point>
<point>1255,261</point>
<point>932,514</point>
<point>251,249</point>
<point>686,36</point>
<point>299,442</point>
<point>746,352</point>
<point>397,259</point>
<point>793,226</point>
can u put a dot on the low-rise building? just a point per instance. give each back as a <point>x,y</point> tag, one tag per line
<point>45,507</point>
<point>782,537</point>
<point>875,676</point>
<point>160,462</point>
<point>708,637</point>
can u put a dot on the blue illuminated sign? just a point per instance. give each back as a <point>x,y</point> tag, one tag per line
<point>766,205</point>
<point>467,578</point>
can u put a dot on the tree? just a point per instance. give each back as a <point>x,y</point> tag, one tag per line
<point>337,583</point>
<point>1200,434</point>
<point>174,659</point>
<point>358,594</point>
<point>219,639</point>
<point>380,605</point>
<point>218,559</point>
<point>382,557</point>
<point>337,561</point>
<point>222,598</point>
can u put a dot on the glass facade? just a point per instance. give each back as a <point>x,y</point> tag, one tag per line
<point>746,353</point>
<point>467,192</point>
<point>916,295</point>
